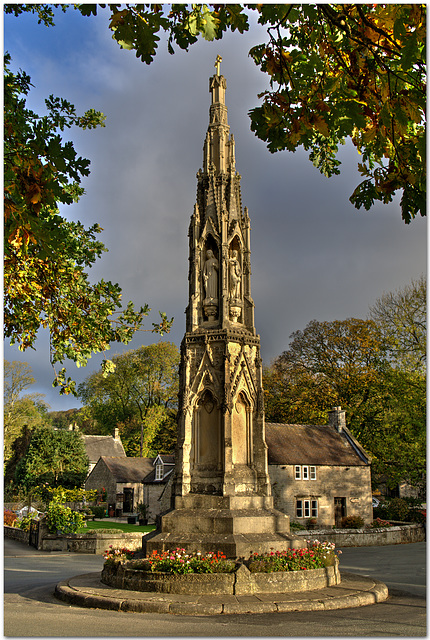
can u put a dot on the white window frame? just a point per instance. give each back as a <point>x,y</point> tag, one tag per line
<point>305,472</point>
<point>159,471</point>
<point>313,472</point>
<point>306,508</point>
<point>298,472</point>
<point>299,508</point>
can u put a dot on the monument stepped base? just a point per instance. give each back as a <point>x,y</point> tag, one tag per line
<point>235,525</point>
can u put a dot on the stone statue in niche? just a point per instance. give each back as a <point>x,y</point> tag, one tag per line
<point>210,276</point>
<point>235,276</point>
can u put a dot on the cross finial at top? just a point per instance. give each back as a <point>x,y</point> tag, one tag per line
<point>217,64</point>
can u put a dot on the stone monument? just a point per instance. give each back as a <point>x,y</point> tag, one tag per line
<point>221,494</point>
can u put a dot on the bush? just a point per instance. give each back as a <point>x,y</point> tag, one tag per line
<point>297,526</point>
<point>62,519</point>
<point>352,522</point>
<point>9,518</point>
<point>99,512</point>
<point>24,522</point>
<point>397,509</point>
<point>376,524</point>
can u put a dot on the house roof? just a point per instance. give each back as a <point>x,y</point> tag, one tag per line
<point>151,476</point>
<point>166,458</point>
<point>128,469</point>
<point>97,446</point>
<point>311,444</point>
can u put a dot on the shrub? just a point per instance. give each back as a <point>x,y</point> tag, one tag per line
<point>62,519</point>
<point>397,509</point>
<point>352,522</point>
<point>24,522</point>
<point>297,526</point>
<point>9,518</point>
<point>99,512</point>
<point>379,523</point>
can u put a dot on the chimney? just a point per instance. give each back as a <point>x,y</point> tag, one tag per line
<point>336,419</point>
<point>115,433</point>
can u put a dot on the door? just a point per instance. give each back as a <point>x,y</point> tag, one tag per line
<point>339,510</point>
<point>128,500</point>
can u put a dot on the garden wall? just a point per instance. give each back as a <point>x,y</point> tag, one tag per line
<point>97,543</point>
<point>16,534</point>
<point>399,534</point>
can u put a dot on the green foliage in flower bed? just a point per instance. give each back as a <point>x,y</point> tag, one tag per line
<point>319,554</point>
<point>180,562</point>
<point>113,556</point>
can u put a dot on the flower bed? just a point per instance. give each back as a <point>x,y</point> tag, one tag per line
<point>178,572</point>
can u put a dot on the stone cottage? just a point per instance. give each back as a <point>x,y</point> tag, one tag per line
<point>157,486</point>
<point>122,479</point>
<point>316,472</point>
<point>319,472</point>
<point>97,446</point>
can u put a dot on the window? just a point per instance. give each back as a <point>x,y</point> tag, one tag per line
<point>314,508</point>
<point>159,472</point>
<point>305,472</point>
<point>307,508</point>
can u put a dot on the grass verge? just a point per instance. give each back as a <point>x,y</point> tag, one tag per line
<point>106,524</point>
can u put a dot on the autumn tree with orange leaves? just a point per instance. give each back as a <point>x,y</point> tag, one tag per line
<point>337,72</point>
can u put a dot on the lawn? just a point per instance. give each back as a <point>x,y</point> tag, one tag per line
<point>122,526</point>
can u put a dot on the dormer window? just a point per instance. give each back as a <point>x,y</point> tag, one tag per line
<point>159,471</point>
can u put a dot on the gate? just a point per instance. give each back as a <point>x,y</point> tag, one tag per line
<point>33,539</point>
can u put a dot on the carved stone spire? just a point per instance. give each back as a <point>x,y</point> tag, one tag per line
<point>221,487</point>
<point>220,286</point>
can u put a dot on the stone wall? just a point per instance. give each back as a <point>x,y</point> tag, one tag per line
<point>400,534</point>
<point>240,582</point>
<point>98,543</point>
<point>352,483</point>
<point>16,534</point>
<point>102,477</point>
<point>158,498</point>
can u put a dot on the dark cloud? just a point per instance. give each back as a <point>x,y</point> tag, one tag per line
<point>313,254</point>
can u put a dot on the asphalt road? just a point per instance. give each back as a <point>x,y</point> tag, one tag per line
<point>30,610</point>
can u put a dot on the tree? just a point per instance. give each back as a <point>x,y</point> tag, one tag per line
<point>46,256</point>
<point>349,363</point>
<point>140,395</point>
<point>337,71</point>
<point>402,317</point>
<point>20,411</point>
<point>55,457</point>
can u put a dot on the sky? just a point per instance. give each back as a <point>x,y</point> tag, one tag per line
<point>314,256</point>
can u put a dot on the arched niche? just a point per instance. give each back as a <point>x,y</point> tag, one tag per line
<point>241,430</point>
<point>207,432</point>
